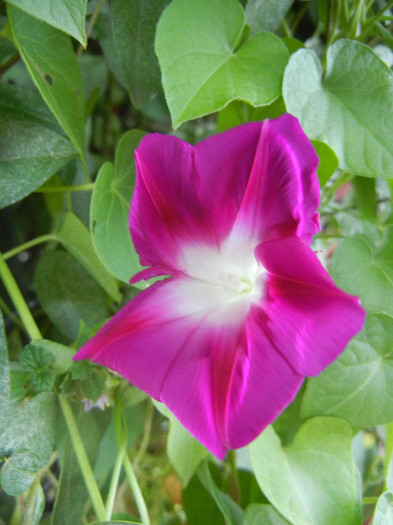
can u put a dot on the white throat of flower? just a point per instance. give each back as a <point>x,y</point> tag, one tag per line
<point>231,271</point>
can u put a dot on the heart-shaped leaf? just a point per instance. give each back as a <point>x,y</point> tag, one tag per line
<point>110,208</point>
<point>304,479</point>
<point>349,108</point>
<point>357,386</point>
<point>363,268</point>
<point>205,64</point>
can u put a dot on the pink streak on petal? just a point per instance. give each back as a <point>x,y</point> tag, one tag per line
<point>259,175</point>
<point>223,163</point>
<point>165,210</point>
<point>264,384</point>
<point>183,356</point>
<point>282,194</point>
<point>310,320</point>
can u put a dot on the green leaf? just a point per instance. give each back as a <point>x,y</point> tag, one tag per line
<point>27,104</point>
<point>357,386</point>
<point>61,355</point>
<point>263,514</point>
<point>328,161</point>
<point>363,268</point>
<point>204,63</point>
<point>350,108</point>
<point>366,198</point>
<point>134,25</point>
<point>67,293</point>
<point>184,452</point>
<point>303,479</point>
<point>383,514</point>
<point>27,442</point>
<point>18,472</point>
<point>266,15</point>
<point>34,358</point>
<point>76,238</point>
<point>35,505</point>
<point>72,494</point>
<point>5,388</point>
<point>67,16</point>
<point>231,512</point>
<point>29,155</point>
<point>40,47</point>
<point>110,209</point>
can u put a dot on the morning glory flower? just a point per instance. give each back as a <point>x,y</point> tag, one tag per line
<point>247,310</point>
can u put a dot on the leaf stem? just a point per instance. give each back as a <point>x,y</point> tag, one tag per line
<point>388,451</point>
<point>63,189</point>
<point>90,25</point>
<point>29,244</point>
<point>9,63</point>
<point>18,300</point>
<point>140,502</point>
<point>83,460</point>
<point>114,483</point>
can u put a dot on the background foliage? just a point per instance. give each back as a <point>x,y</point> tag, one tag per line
<point>81,83</point>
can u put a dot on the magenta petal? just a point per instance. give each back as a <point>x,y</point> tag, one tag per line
<point>165,212</point>
<point>263,175</point>
<point>282,194</point>
<point>215,374</point>
<point>309,318</point>
<point>257,181</point>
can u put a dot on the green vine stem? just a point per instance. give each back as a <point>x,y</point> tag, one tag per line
<point>83,460</point>
<point>18,300</point>
<point>140,502</point>
<point>29,244</point>
<point>388,450</point>
<point>63,189</point>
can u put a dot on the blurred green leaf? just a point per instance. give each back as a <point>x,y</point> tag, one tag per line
<point>27,441</point>
<point>68,293</point>
<point>349,108</point>
<point>35,505</point>
<point>357,386</point>
<point>34,358</point>
<point>303,479</point>
<point>364,268</point>
<point>366,198</point>
<point>40,46</point>
<point>134,26</point>
<point>76,238</point>
<point>18,472</point>
<point>29,155</point>
<point>27,104</point>
<point>328,161</point>
<point>61,356</point>
<point>91,383</point>
<point>231,512</point>
<point>5,388</point>
<point>266,15</point>
<point>198,502</point>
<point>263,515</point>
<point>67,16</point>
<point>184,451</point>
<point>383,514</point>
<point>110,209</point>
<point>204,63</point>
<point>72,494</point>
